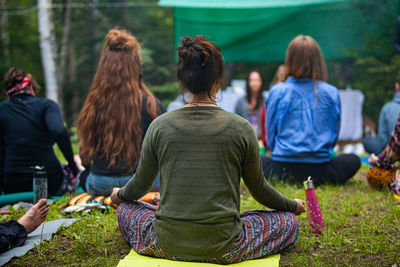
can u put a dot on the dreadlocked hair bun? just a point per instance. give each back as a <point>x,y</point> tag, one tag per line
<point>193,52</point>
<point>200,65</point>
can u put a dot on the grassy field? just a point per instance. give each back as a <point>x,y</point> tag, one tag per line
<point>362,229</point>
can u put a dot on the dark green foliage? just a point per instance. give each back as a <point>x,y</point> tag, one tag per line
<point>373,70</point>
<point>376,65</point>
<point>151,25</point>
<point>23,47</point>
<point>166,92</point>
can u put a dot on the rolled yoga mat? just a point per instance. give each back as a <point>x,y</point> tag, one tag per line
<point>16,197</point>
<point>24,197</point>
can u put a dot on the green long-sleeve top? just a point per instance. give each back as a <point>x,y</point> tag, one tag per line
<point>201,153</point>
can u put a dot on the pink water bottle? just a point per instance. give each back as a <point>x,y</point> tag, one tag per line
<point>314,212</point>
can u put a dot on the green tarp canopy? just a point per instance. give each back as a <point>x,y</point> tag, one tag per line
<point>260,30</point>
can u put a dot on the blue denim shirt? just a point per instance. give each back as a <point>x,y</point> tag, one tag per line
<point>301,127</point>
<point>387,119</point>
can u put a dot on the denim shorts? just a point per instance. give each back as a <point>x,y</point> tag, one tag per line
<point>98,185</point>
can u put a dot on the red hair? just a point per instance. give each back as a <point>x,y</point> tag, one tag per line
<point>110,121</point>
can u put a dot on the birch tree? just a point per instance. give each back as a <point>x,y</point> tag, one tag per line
<point>47,46</point>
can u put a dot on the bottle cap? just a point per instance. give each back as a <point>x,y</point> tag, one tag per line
<point>39,171</point>
<point>308,184</point>
<point>37,168</point>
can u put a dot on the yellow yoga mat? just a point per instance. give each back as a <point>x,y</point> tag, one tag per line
<point>134,259</point>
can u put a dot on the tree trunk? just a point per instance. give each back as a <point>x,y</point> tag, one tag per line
<point>5,38</point>
<point>75,94</point>
<point>47,49</point>
<point>94,30</point>
<point>65,46</point>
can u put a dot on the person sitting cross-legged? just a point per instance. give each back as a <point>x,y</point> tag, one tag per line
<point>29,128</point>
<point>302,121</point>
<point>202,152</point>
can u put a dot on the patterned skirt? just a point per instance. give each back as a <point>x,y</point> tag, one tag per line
<point>264,233</point>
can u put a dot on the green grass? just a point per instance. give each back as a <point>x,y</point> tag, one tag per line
<point>94,240</point>
<point>362,229</point>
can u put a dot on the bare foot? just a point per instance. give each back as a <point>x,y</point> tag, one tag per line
<point>35,216</point>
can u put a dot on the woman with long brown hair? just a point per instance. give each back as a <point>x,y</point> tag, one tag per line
<point>117,112</point>
<point>250,106</point>
<point>303,120</point>
<point>202,152</point>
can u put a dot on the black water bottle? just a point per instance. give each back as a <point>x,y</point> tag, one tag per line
<point>39,183</point>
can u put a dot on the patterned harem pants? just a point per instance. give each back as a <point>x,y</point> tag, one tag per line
<point>264,233</point>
